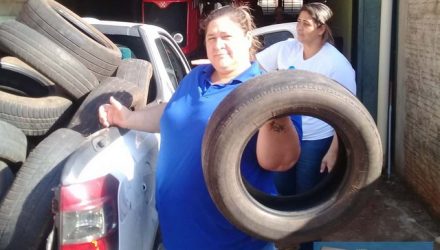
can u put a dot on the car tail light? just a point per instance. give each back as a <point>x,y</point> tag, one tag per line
<point>89,215</point>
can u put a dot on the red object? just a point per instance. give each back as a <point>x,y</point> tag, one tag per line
<point>100,244</point>
<point>175,16</point>
<point>89,215</point>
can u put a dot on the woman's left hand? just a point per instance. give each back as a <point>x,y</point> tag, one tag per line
<point>329,160</point>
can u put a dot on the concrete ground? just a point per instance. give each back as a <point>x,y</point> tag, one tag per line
<point>394,213</point>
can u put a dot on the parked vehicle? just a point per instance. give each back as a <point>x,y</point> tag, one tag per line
<point>271,34</point>
<point>155,64</point>
<point>108,200</point>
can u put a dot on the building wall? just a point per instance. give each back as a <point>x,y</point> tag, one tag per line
<point>365,55</point>
<point>417,143</point>
<point>342,23</point>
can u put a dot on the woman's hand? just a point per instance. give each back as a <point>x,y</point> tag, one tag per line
<point>329,160</point>
<point>113,113</point>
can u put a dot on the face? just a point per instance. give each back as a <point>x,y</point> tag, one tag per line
<point>308,30</point>
<point>227,45</point>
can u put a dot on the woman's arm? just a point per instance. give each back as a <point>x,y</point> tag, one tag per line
<point>114,113</point>
<point>278,146</point>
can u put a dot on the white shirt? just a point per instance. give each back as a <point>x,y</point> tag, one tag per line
<point>328,61</point>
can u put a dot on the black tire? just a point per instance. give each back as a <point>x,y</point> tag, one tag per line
<point>25,213</point>
<point>14,144</point>
<point>51,60</point>
<point>69,31</point>
<point>85,120</point>
<point>276,94</point>
<point>17,77</point>
<point>136,71</point>
<point>34,116</point>
<point>6,178</point>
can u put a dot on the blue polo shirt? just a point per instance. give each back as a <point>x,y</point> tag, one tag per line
<point>188,217</point>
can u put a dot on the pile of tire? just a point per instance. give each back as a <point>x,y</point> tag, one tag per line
<point>55,71</point>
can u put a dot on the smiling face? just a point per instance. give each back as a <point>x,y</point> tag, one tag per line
<point>227,46</point>
<point>308,30</point>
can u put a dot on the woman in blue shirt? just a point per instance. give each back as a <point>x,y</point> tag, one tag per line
<point>187,215</point>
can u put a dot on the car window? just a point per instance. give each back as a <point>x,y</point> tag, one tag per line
<point>130,46</point>
<point>173,64</point>
<point>271,34</point>
<point>271,38</point>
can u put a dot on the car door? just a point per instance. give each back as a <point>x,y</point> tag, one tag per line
<point>271,34</point>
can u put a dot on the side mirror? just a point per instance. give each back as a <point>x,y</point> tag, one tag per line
<point>178,38</point>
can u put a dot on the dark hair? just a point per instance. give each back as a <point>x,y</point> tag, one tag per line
<point>321,14</point>
<point>240,14</point>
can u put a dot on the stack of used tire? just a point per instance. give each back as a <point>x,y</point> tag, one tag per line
<point>55,71</point>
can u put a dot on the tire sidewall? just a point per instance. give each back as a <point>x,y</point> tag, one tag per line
<point>285,92</point>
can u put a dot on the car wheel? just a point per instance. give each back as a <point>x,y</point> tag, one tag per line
<point>85,120</point>
<point>25,213</point>
<point>47,57</point>
<point>278,218</point>
<point>68,30</point>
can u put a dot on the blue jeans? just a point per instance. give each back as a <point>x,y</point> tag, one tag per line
<point>305,174</point>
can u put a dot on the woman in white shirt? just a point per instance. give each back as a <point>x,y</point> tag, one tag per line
<point>311,50</point>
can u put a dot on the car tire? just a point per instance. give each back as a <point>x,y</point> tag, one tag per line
<point>17,77</point>
<point>6,178</point>
<point>85,120</point>
<point>136,71</point>
<point>25,213</point>
<point>34,116</point>
<point>47,57</point>
<point>277,94</point>
<point>76,36</point>
<point>13,147</point>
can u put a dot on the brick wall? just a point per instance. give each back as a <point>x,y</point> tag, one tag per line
<point>418,100</point>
